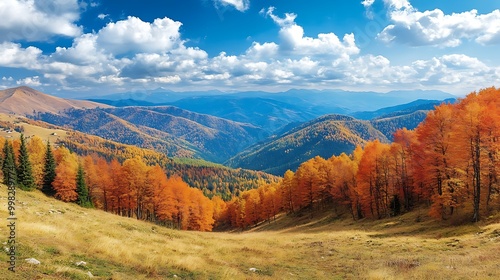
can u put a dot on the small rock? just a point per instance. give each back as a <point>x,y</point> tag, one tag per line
<point>32,261</point>
<point>175,276</point>
<point>89,274</point>
<point>81,263</point>
<point>253,269</point>
<point>7,249</point>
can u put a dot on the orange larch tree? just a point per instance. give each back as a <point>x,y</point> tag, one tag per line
<point>65,182</point>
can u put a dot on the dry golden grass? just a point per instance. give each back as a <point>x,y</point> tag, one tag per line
<point>60,234</point>
<point>30,130</point>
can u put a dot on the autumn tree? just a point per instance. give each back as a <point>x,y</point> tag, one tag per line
<point>373,180</point>
<point>36,151</point>
<point>65,181</point>
<point>308,187</point>
<point>475,129</point>
<point>402,153</point>
<point>94,178</point>
<point>434,161</point>
<point>343,181</point>
<point>287,191</point>
<point>220,210</point>
<point>133,185</point>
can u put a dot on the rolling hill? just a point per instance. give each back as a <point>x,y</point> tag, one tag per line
<point>169,130</point>
<point>325,136</point>
<point>27,101</point>
<point>390,124</point>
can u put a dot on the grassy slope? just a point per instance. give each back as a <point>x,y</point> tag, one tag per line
<point>320,248</point>
<point>30,130</point>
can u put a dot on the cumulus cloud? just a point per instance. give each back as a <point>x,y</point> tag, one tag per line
<point>30,81</point>
<point>293,39</point>
<point>240,5</point>
<point>435,28</point>
<point>135,35</point>
<point>38,20</point>
<point>102,16</point>
<point>13,55</point>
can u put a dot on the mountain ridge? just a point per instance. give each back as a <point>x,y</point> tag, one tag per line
<point>325,136</point>
<point>24,100</point>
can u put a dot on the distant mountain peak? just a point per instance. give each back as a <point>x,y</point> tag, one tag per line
<point>24,100</point>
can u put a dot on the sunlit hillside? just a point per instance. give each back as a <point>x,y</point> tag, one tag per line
<point>299,247</point>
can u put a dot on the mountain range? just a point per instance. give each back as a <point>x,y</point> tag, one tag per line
<point>271,132</point>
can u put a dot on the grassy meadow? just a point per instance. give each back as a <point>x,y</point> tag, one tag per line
<point>322,247</point>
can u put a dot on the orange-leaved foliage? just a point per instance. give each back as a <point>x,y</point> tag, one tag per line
<point>132,188</point>
<point>450,161</point>
<point>65,182</point>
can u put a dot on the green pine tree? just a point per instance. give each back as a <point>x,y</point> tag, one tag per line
<point>24,172</point>
<point>81,189</point>
<point>49,172</point>
<point>9,165</point>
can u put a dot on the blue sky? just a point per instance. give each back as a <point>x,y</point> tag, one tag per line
<point>93,47</point>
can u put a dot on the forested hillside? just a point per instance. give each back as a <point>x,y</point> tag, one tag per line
<point>169,130</point>
<point>324,136</point>
<point>448,162</point>
<point>389,124</point>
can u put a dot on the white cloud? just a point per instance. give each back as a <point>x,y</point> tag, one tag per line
<point>13,55</point>
<point>412,27</point>
<point>293,39</point>
<point>84,51</point>
<point>30,81</point>
<point>135,35</point>
<point>461,61</point>
<point>38,20</point>
<point>260,51</point>
<point>102,16</point>
<point>368,7</point>
<point>455,70</point>
<point>168,79</point>
<point>240,5</point>
<point>398,4</point>
<point>367,3</point>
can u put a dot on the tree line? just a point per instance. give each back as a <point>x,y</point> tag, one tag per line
<point>450,162</point>
<point>132,188</point>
